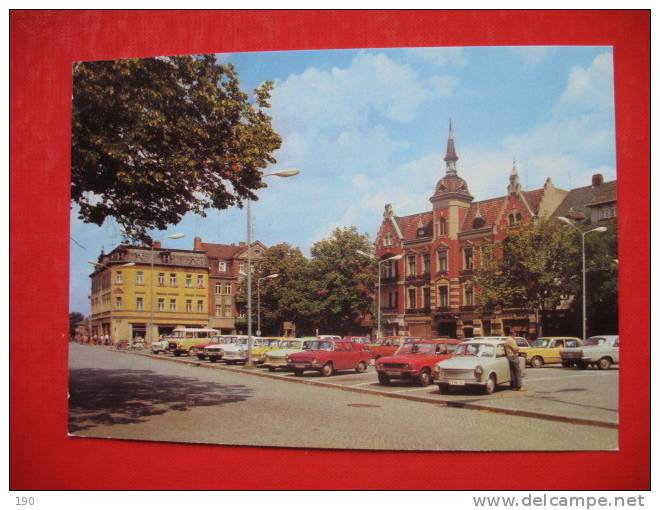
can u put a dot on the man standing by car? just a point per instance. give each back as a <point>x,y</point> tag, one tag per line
<point>514,364</point>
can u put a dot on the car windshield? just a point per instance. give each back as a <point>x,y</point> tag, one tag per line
<point>595,340</point>
<point>521,342</point>
<point>290,344</point>
<point>272,342</point>
<point>241,341</point>
<point>320,345</point>
<point>227,340</point>
<point>416,348</point>
<point>541,342</point>
<point>479,350</point>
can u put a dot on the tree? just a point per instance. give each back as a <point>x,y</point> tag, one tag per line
<point>155,138</point>
<point>536,268</point>
<point>344,280</point>
<point>75,318</point>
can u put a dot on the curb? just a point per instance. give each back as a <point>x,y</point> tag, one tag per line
<point>427,400</point>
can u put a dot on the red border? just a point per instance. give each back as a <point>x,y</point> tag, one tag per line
<point>43,46</point>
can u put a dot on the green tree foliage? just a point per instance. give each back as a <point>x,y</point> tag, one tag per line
<point>74,319</point>
<point>155,138</point>
<point>343,280</point>
<point>537,266</point>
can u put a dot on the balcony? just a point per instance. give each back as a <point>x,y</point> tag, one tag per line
<point>468,308</point>
<point>418,278</point>
<point>388,280</point>
<point>418,311</point>
<point>467,272</point>
<point>442,309</point>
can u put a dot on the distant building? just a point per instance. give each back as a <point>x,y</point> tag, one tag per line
<point>590,205</point>
<point>430,291</point>
<point>124,297</point>
<point>227,265</point>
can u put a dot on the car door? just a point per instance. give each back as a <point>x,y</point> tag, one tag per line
<point>554,348</point>
<point>615,351</point>
<point>340,355</point>
<point>501,363</point>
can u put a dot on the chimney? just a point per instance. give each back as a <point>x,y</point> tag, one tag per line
<point>198,244</point>
<point>597,179</point>
<point>156,245</point>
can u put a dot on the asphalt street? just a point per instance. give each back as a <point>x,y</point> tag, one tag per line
<point>120,395</point>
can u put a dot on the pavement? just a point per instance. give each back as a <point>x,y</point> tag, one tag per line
<point>120,395</point>
<point>588,397</point>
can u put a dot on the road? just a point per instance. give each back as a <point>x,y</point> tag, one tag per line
<point>120,395</point>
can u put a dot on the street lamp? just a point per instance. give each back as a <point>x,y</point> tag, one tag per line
<point>178,235</point>
<point>290,172</point>
<point>584,270</point>
<point>99,265</point>
<point>380,262</point>
<point>270,276</point>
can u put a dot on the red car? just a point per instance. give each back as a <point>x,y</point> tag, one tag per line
<point>415,360</point>
<point>328,356</point>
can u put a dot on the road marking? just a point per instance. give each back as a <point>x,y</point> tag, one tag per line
<point>361,384</point>
<point>408,390</point>
<point>561,378</point>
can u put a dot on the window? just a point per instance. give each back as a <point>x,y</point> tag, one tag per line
<point>227,310</point>
<point>228,289</point>
<point>392,299</point>
<point>139,303</point>
<point>173,279</point>
<point>119,303</point>
<point>412,270</point>
<point>468,262</point>
<point>241,267</point>
<point>188,305</point>
<point>469,295</point>
<point>200,306</point>
<point>514,217</point>
<point>222,266</point>
<point>218,288</point>
<point>188,280</point>
<point>427,297</point>
<point>426,258</point>
<point>443,226</point>
<point>443,261</point>
<point>172,305</point>
<point>161,279</point>
<point>607,213</point>
<point>200,280</point>
<point>139,278</point>
<point>218,310</point>
<point>412,301</point>
<point>443,296</point>
<point>119,277</point>
<point>161,304</point>
<point>499,351</point>
<point>390,269</point>
<point>387,240</point>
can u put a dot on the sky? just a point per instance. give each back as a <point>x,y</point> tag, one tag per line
<point>369,127</point>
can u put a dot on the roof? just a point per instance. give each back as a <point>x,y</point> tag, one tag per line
<point>410,224</point>
<point>221,251</point>
<point>578,200</point>
<point>488,210</point>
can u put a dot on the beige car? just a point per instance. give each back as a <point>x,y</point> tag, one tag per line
<point>547,350</point>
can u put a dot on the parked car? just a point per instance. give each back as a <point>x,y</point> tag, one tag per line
<point>415,361</point>
<point>279,358</point>
<point>259,352</point>
<point>182,339</point>
<point>601,351</point>
<point>547,349</point>
<point>357,339</point>
<point>478,362</point>
<point>220,342</point>
<point>237,352</point>
<point>160,346</point>
<point>216,352</point>
<point>388,345</point>
<point>329,356</point>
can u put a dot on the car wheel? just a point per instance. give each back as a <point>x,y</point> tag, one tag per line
<point>383,379</point>
<point>326,371</point>
<point>582,365</point>
<point>361,367</point>
<point>297,372</point>
<point>200,357</point>
<point>491,384</point>
<point>604,363</point>
<point>565,364</point>
<point>443,388</point>
<point>537,362</point>
<point>424,378</point>
<point>177,353</point>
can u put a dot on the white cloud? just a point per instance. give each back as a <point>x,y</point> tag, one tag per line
<point>439,56</point>
<point>591,88</point>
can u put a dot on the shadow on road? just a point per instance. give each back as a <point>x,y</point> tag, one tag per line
<point>110,397</point>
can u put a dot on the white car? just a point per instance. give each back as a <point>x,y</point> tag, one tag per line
<point>237,352</point>
<point>601,351</point>
<point>279,358</point>
<point>478,362</point>
<point>160,346</point>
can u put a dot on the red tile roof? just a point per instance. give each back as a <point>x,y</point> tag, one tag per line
<point>410,224</point>
<point>534,198</point>
<point>221,251</point>
<point>489,209</point>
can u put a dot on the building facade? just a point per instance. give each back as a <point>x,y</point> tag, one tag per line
<point>127,295</point>
<point>429,291</point>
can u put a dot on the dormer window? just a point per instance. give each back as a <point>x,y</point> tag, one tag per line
<point>421,232</point>
<point>478,222</point>
<point>387,240</point>
<point>514,218</point>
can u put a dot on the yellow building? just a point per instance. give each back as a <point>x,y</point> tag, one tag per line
<point>127,295</point>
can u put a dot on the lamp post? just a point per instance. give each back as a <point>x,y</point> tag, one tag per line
<point>98,265</point>
<point>380,262</point>
<point>270,276</point>
<point>178,235</point>
<point>584,271</point>
<point>281,173</point>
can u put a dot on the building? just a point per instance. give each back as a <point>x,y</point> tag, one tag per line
<point>590,206</point>
<point>127,294</point>
<point>227,265</point>
<point>429,291</point>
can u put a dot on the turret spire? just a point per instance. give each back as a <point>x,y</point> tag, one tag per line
<point>514,181</point>
<point>451,158</point>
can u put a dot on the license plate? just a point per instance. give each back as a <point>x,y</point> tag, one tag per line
<point>456,382</point>
<point>393,372</point>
